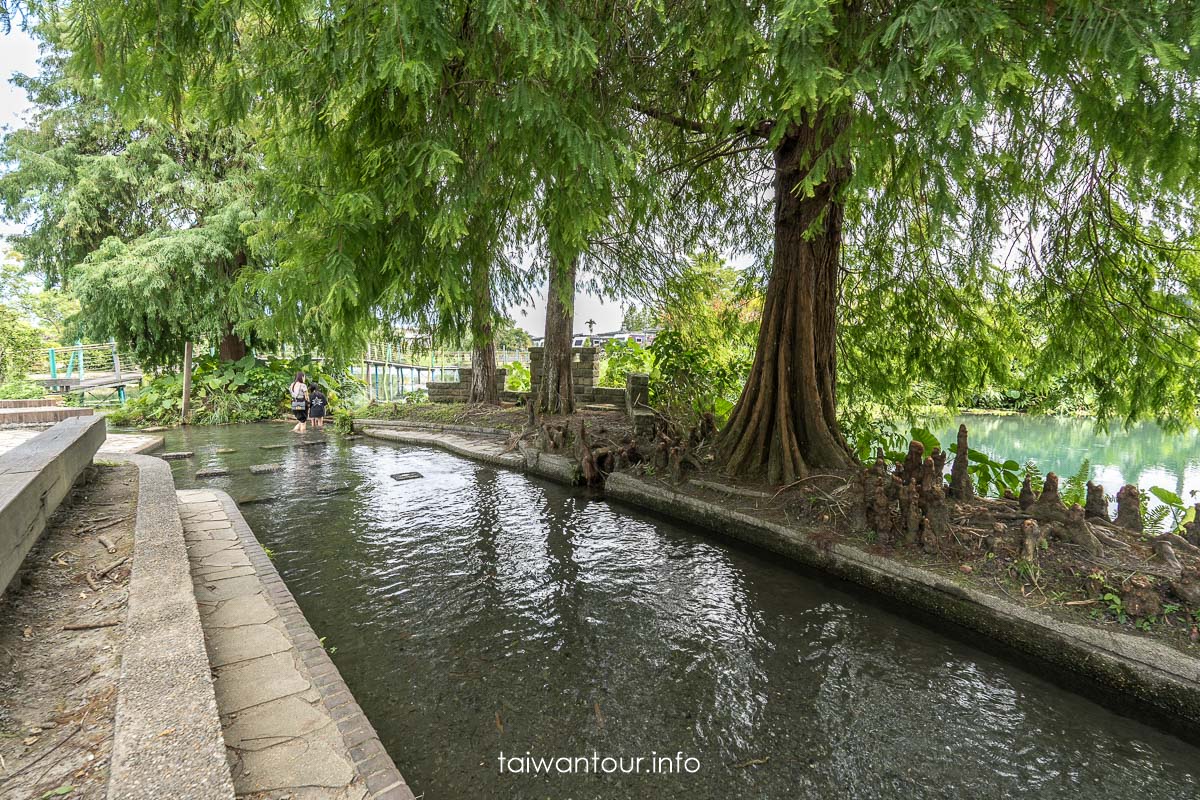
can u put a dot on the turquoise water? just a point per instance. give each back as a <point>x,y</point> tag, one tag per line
<point>1144,455</point>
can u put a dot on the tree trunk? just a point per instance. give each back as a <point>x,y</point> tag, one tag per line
<point>185,406</point>
<point>483,342</point>
<point>557,394</point>
<point>785,422</point>
<point>232,347</point>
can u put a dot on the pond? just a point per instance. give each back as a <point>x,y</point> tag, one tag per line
<point>1145,454</point>
<point>475,611</point>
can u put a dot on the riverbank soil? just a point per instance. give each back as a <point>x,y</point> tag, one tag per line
<point>60,651</point>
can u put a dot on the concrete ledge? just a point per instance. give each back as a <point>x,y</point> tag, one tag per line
<point>38,402</point>
<point>41,414</point>
<point>489,452</point>
<point>429,426</point>
<point>34,478</point>
<point>371,761</point>
<point>167,740</point>
<point>1164,682</point>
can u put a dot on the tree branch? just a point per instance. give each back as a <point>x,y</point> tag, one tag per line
<point>762,128</point>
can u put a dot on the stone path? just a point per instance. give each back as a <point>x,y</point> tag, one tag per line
<point>291,727</point>
<point>113,442</point>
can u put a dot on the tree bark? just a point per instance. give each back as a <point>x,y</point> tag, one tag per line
<point>556,395</point>
<point>185,409</point>
<point>483,340</point>
<point>232,346</point>
<point>785,422</point>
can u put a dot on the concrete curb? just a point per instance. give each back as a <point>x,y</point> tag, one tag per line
<point>1155,681</point>
<point>463,448</point>
<point>34,478</point>
<point>431,426</point>
<point>371,760</point>
<point>167,740</point>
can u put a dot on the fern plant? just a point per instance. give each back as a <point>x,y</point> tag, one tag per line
<point>1075,491</point>
<point>1034,473</point>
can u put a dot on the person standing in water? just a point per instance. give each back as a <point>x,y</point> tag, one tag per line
<point>317,404</point>
<point>299,396</point>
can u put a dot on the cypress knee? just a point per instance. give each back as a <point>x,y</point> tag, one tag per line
<point>961,487</point>
<point>1129,508</point>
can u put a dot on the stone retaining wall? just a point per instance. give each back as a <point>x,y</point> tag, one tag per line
<point>457,391</point>
<point>37,402</point>
<point>34,478</point>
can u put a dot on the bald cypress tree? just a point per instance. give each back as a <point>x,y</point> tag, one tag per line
<point>866,152</point>
<point>910,147</point>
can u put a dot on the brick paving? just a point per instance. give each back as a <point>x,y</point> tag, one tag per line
<point>291,726</point>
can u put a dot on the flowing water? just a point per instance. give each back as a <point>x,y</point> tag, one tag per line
<point>476,611</point>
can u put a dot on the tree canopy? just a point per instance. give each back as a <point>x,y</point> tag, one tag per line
<point>143,221</point>
<point>917,180</point>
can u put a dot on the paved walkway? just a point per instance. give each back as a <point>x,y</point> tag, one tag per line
<point>291,727</point>
<point>113,442</point>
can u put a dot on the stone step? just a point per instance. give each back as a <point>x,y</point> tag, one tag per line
<point>290,724</point>
<point>40,415</point>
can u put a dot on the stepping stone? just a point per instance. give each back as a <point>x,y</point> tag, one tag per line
<point>263,469</point>
<point>317,443</point>
<point>155,429</point>
<point>177,456</point>
<point>212,473</point>
<point>352,436</point>
<point>344,487</point>
<point>224,450</point>
<point>273,446</point>
<point>254,501</point>
<point>407,476</point>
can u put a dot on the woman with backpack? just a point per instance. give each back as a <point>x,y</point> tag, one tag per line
<point>299,396</point>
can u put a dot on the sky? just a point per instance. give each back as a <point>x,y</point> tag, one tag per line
<point>18,53</point>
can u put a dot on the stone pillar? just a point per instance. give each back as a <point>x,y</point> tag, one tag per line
<point>637,391</point>
<point>536,360</point>
<point>585,372</point>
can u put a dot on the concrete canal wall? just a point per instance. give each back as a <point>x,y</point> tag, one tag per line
<point>34,479</point>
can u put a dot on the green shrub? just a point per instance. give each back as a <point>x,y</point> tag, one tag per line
<point>224,392</point>
<point>622,358</point>
<point>517,378</point>
<point>20,390</point>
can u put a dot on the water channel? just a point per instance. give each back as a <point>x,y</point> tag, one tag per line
<point>476,611</point>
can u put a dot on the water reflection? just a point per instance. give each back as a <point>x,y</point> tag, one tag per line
<point>476,610</point>
<point>1145,454</point>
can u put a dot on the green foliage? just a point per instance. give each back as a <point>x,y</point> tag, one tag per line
<point>516,378</point>
<point>1075,490</point>
<point>622,358</point>
<point>343,420</point>
<point>226,392</point>
<point>867,434</point>
<point>20,390</point>
<point>19,345</point>
<point>1173,509</point>
<point>143,221</point>
<point>1034,473</point>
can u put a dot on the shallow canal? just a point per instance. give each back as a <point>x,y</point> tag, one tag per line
<point>476,611</point>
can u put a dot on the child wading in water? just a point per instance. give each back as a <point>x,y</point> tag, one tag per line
<point>299,394</point>
<point>316,405</point>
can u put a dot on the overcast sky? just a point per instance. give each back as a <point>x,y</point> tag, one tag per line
<point>18,53</point>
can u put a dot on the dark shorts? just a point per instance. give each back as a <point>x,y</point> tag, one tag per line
<point>301,414</point>
<point>316,413</point>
